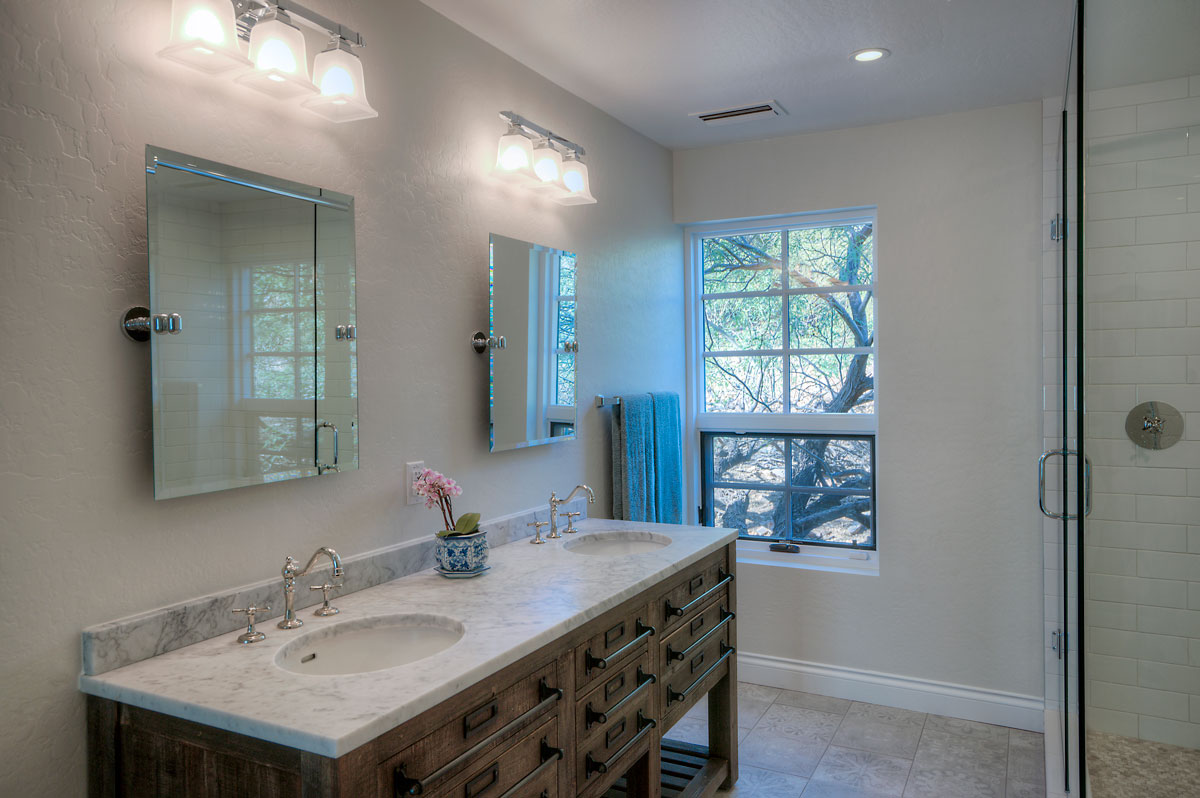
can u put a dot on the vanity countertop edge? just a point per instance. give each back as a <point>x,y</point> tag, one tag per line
<point>529,598</point>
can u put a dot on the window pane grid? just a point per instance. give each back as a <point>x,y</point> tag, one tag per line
<point>753,363</point>
<point>759,508</point>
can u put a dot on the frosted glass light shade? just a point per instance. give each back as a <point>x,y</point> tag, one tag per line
<point>514,158</point>
<point>338,75</point>
<point>547,165</point>
<point>575,180</point>
<point>203,36</point>
<point>280,64</point>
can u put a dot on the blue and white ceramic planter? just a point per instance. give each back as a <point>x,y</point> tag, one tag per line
<point>462,553</point>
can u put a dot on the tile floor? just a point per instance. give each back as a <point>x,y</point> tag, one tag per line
<point>1121,767</point>
<point>795,744</point>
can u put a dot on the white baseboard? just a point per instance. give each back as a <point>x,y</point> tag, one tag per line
<point>922,695</point>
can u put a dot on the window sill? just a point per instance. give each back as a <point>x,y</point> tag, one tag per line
<point>812,558</point>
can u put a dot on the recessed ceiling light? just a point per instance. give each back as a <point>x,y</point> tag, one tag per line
<point>870,54</point>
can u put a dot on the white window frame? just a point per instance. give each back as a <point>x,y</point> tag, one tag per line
<point>750,551</point>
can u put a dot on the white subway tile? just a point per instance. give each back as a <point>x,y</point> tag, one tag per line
<point>1163,676</point>
<point>1162,730</point>
<point>1106,177</point>
<point>1173,89</point>
<point>1194,197</point>
<point>1195,713</point>
<point>1111,287</point>
<point>1117,398</point>
<point>1104,122</point>
<point>1194,85</point>
<point>1124,315</point>
<point>1185,398</point>
<point>1114,507</point>
<point>1112,615</point>
<point>1109,721</point>
<point>1193,313</point>
<point>1117,233</point>
<point>1127,698</point>
<point>1139,645</point>
<point>1193,598</point>
<point>1167,509</point>
<point>1180,170</point>
<point>1118,343</point>
<point>1192,259</point>
<point>1194,652</point>
<point>1163,229</point>
<point>1193,368</point>
<point>1151,481</point>
<point>1140,536</point>
<point>1106,560</point>
<point>1168,114</point>
<point>1125,370</point>
<point>1116,670</point>
<point>1169,565</point>
<point>1144,258</point>
<point>1168,340</point>
<point>1130,590</point>
<point>1136,147</point>
<point>1137,202</point>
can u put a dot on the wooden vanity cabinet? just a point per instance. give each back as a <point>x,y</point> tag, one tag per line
<point>583,717</point>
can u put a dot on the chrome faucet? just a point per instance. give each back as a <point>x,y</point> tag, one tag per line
<point>290,572</point>
<point>555,502</point>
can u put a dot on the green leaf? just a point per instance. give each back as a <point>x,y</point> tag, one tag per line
<point>467,523</point>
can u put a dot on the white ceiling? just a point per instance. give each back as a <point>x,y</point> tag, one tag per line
<point>650,63</point>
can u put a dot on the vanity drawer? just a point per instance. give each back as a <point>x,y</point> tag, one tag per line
<point>700,584</point>
<point>525,769</point>
<point>688,678</point>
<point>604,756</point>
<point>606,649</point>
<point>474,733</point>
<point>700,627</point>
<point>621,686</point>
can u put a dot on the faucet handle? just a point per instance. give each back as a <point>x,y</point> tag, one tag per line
<point>537,538</point>
<point>250,635</point>
<point>324,611</point>
<point>571,530</point>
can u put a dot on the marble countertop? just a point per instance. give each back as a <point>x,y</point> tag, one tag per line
<point>531,596</point>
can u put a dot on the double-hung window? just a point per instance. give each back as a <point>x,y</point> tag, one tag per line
<point>783,392</point>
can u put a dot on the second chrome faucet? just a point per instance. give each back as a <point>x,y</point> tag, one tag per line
<point>290,572</point>
<point>555,502</point>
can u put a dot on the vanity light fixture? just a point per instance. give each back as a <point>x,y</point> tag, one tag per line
<point>870,54</point>
<point>205,33</point>
<point>552,167</point>
<point>514,156</point>
<point>338,75</point>
<point>279,58</point>
<point>203,36</point>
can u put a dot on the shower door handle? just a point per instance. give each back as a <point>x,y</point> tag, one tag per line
<point>1087,484</point>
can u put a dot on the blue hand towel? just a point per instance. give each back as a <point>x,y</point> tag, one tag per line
<point>633,458</point>
<point>668,460</point>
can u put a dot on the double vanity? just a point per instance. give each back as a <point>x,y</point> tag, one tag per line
<point>555,674</point>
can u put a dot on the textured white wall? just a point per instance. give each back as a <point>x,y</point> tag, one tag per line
<point>958,597</point>
<point>81,94</point>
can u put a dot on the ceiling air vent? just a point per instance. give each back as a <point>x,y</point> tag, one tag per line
<point>746,113</point>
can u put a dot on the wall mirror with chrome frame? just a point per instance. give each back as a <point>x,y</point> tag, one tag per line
<point>532,344</point>
<point>254,341</point>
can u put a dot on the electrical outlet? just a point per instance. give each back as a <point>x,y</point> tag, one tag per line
<point>411,470</point>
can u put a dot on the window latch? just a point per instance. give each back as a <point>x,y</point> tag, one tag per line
<point>790,548</point>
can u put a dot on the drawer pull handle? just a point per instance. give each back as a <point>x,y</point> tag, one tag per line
<point>550,755</point>
<point>483,781</point>
<point>644,726</point>
<point>594,717</point>
<point>677,611</point>
<point>596,663</point>
<point>674,695</point>
<point>476,719</point>
<point>726,617</point>
<point>403,784</point>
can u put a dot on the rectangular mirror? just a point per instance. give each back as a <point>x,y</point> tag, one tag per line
<point>533,373</point>
<point>254,350</point>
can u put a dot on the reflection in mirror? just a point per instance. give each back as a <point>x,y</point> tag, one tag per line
<point>261,272</point>
<point>533,374</point>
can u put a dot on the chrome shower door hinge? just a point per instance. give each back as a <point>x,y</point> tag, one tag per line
<point>1058,228</point>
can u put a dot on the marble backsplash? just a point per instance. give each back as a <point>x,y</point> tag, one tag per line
<point>114,644</point>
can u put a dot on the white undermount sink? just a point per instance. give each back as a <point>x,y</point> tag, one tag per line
<point>369,644</point>
<point>617,544</point>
